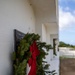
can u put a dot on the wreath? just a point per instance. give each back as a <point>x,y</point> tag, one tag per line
<point>23,54</point>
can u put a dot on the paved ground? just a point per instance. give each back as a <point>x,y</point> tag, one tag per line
<point>67,66</point>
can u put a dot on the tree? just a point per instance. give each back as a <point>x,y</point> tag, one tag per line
<point>63,44</point>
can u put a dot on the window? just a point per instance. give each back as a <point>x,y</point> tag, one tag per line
<point>54,46</point>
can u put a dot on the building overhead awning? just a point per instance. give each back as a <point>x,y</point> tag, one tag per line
<point>45,10</point>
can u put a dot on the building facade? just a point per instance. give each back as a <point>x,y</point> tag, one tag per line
<point>33,16</point>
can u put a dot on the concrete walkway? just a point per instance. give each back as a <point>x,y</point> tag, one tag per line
<point>67,66</point>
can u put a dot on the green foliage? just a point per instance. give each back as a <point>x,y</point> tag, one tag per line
<point>22,55</point>
<point>63,57</point>
<point>62,44</point>
<point>42,65</point>
<point>52,72</point>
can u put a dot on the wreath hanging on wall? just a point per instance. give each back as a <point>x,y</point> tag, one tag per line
<point>31,50</point>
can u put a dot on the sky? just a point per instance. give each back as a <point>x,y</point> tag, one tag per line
<point>67,21</point>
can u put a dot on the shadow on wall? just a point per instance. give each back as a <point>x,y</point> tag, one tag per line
<point>9,69</point>
<point>6,65</point>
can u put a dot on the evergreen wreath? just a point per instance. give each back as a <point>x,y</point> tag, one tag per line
<point>22,55</point>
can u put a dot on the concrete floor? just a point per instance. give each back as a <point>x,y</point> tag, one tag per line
<point>67,66</point>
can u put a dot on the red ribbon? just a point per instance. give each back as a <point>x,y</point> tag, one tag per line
<point>32,61</point>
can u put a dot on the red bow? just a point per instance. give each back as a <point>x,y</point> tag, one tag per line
<point>32,61</point>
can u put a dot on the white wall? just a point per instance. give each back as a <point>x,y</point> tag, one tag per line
<point>52,32</point>
<point>44,36</point>
<point>14,14</point>
<point>48,33</point>
<point>52,28</point>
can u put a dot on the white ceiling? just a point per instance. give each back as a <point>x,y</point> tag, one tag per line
<point>45,9</point>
